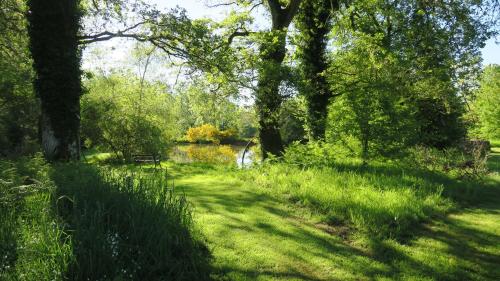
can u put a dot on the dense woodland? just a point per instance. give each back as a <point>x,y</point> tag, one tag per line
<point>371,130</point>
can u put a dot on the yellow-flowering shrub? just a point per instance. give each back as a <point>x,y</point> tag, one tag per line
<point>206,132</point>
<point>209,133</point>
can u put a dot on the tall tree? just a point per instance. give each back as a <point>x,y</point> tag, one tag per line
<point>438,43</point>
<point>53,26</point>
<point>271,75</point>
<point>314,22</point>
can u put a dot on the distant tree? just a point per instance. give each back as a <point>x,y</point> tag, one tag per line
<point>115,117</point>
<point>487,103</point>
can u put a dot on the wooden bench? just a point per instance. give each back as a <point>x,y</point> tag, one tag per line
<point>146,158</point>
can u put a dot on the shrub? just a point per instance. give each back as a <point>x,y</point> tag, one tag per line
<point>313,154</point>
<point>208,133</point>
<point>456,162</point>
<point>203,133</point>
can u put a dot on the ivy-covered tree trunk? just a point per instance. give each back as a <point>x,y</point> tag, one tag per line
<point>271,75</point>
<point>314,24</point>
<point>53,27</point>
<point>268,98</point>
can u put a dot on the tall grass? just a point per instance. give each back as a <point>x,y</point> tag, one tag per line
<point>81,222</point>
<point>386,201</point>
<point>33,245</point>
<point>127,226</point>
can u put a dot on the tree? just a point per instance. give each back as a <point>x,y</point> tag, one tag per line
<point>314,22</point>
<point>53,29</point>
<point>486,104</point>
<point>438,44</point>
<point>127,115</point>
<point>18,105</point>
<point>373,108</point>
<point>271,75</point>
<point>54,43</point>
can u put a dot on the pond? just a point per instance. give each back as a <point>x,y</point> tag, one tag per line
<point>211,153</point>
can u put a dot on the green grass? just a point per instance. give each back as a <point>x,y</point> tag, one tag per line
<point>81,222</point>
<point>33,245</point>
<point>275,222</point>
<point>269,224</point>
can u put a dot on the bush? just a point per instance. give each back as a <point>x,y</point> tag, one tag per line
<point>313,154</point>
<point>456,162</point>
<point>210,134</point>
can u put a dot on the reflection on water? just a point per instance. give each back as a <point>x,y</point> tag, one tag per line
<point>210,153</point>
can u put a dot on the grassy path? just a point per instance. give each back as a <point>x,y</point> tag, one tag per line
<point>257,237</point>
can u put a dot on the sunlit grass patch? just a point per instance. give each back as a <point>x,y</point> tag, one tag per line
<point>383,203</point>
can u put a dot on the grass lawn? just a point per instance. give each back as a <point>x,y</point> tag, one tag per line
<point>257,236</point>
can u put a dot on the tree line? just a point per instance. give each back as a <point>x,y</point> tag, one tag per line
<point>381,74</point>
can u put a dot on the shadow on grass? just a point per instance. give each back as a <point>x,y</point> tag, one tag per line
<point>449,249</point>
<point>456,250</point>
<point>126,227</point>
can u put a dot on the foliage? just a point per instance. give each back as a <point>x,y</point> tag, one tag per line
<point>19,108</point>
<point>313,154</point>
<point>374,107</point>
<point>292,117</point>
<point>485,105</point>
<point>415,57</point>
<point>209,133</point>
<point>455,162</point>
<point>127,116</point>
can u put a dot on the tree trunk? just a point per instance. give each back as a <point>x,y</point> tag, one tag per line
<point>53,27</point>
<point>271,74</point>
<point>314,24</point>
<point>268,98</point>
